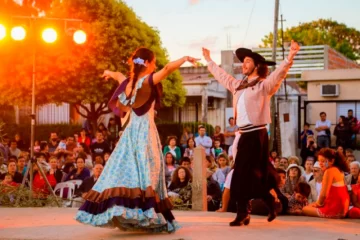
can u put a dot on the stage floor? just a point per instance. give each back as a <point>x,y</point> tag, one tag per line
<point>58,223</point>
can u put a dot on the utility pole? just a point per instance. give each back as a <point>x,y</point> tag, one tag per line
<point>272,104</point>
<point>283,51</point>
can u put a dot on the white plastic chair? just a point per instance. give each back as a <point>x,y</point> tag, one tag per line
<point>76,182</point>
<point>70,191</point>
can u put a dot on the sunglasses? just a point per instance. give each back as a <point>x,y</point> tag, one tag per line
<point>316,171</point>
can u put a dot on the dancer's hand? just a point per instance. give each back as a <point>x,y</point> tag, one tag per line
<point>107,74</point>
<point>193,61</point>
<point>206,54</point>
<point>294,48</point>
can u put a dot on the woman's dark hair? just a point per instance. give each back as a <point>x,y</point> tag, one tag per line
<point>175,176</point>
<point>192,138</point>
<point>262,70</point>
<point>79,157</point>
<point>101,125</point>
<point>43,145</point>
<point>85,147</point>
<point>303,188</point>
<point>67,167</point>
<point>144,54</point>
<point>172,156</point>
<point>343,119</point>
<point>339,159</point>
<point>170,138</point>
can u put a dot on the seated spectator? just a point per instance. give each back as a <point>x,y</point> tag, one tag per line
<point>296,160</point>
<point>273,156</point>
<point>40,187</point>
<point>315,183</point>
<point>284,163</point>
<point>224,164</point>
<point>71,144</point>
<point>99,147</point>
<point>334,199</point>
<point>308,173</point>
<point>277,163</point>
<point>106,157</point>
<point>340,149</point>
<point>217,175</point>
<point>62,144</point>
<point>348,152</point>
<point>220,136</point>
<point>186,162</point>
<point>353,177</point>
<point>213,192</point>
<point>67,168</point>
<point>180,186</point>
<point>173,149</point>
<point>21,168</point>
<point>292,179</point>
<point>44,149</point>
<point>84,151</point>
<point>216,150</point>
<point>58,174</point>
<point>17,177</point>
<point>354,211</point>
<point>310,149</point>
<point>83,138</point>
<point>8,181</point>
<point>299,198</point>
<point>189,151</point>
<point>14,150</point>
<point>80,172</point>
<point>87,185</point>
<point>99,160</point>
<point>259,207</point>
<point>350,158</point>
<point>186,135</point>
<point>170,166</point>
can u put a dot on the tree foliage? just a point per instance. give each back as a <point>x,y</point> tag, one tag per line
<point>71,73</point>
<point>323,31</point>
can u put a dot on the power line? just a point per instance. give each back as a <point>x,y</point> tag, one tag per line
<point>247,29</point>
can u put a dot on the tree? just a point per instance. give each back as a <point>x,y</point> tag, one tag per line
<point>323,31</point>
<point>71,73</point>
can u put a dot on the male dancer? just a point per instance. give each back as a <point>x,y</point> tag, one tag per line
<point>253,175</point>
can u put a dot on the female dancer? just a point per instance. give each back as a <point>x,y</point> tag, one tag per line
<point>131,192</point>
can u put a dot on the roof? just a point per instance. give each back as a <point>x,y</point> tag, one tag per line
<point>331,75</point>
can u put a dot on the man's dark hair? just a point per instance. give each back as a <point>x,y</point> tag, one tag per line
<point>306,124</point>
<point>303,188</point>
<point>323,113</point>
<point>185,159</point>
<point>230,118</point>
<point>350,110</point>
<point>262,70</point>
<point>13,158</point>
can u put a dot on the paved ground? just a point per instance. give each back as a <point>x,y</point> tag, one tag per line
<point>58,223</point>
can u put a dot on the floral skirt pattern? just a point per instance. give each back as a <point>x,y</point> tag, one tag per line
<point>131,192</point>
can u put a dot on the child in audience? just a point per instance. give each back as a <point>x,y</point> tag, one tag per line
<point>299,198</point>
<point>216,150</point>
<point>8,181</point>
<point>224,163</point>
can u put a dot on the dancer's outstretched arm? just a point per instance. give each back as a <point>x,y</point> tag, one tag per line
<point>225,79</point>
<point>118,76</point>
<point>171,67</point>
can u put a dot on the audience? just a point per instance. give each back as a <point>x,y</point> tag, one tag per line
<point>353,177</point>
<point>173,149</point>
<point>292,179</point>
<point>180,186</point>
<point>315,183</point>
<point>299,198</point>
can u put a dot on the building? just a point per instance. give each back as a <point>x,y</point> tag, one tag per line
<point>334,92</point>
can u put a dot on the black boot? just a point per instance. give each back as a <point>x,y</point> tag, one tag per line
<point>270,203</point>
<point>243,219</point>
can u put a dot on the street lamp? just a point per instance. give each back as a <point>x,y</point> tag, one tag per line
<point>18,33</point>
<point>49,35</point>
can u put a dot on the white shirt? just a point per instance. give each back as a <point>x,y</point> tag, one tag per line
<point>228,179</point>
<point>307,176</point>
<point>318,188</point>
<point>321,124</point>
<point>242,118</point>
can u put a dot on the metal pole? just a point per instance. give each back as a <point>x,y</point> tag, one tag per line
<point>272,103</point>
<point>283,50</point>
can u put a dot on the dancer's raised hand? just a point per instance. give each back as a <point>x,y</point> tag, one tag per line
<point>193,61</point>
<point>118,76</point>
<point>294,48</point>
<point>206,54</point>
<point>107,74</point>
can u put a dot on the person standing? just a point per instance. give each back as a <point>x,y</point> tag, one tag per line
<point>323,128</point>
<point>131,191</point>
<point>254,176</point>
<point>230,133</point>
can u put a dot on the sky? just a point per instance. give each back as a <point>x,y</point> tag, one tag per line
<point>187,25</point>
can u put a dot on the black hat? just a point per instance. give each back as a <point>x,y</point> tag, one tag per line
<point>241,53</point>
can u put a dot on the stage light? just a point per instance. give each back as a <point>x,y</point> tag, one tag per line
<point>80,37</point>
<point>18,33</point>
<point>2,32</point>
<point>49,35</point>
